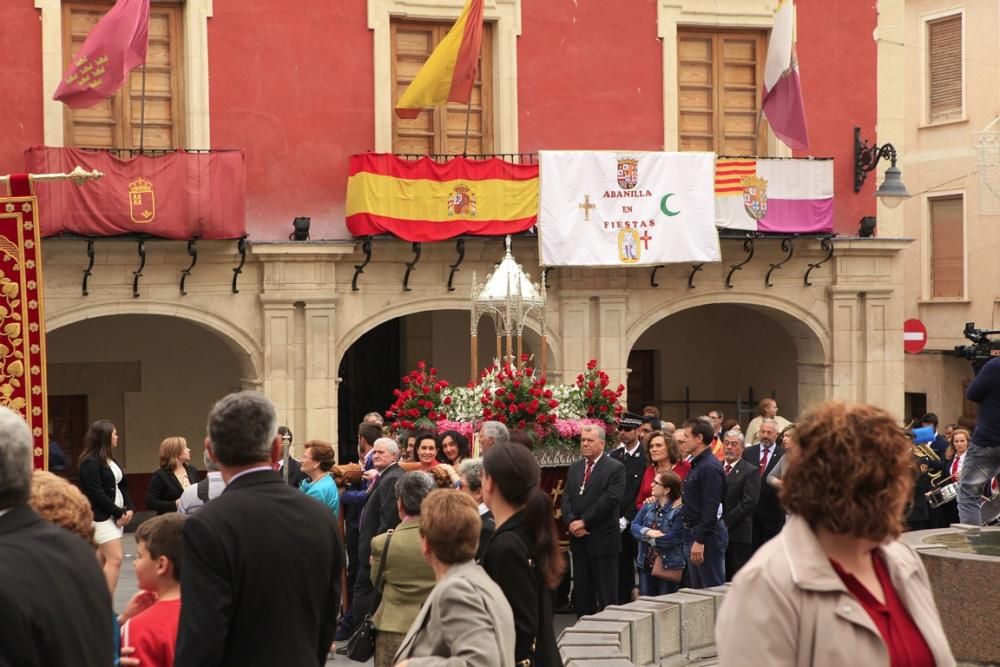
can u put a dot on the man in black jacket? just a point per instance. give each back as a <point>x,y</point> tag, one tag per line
<point>594,489</point>
<point>769,517</point>
<point>262,562</point>
<point>632,455</point>
<point>705,536</point>
<point>742,493</point>
<point>55,608</point>
<point>379,515</point>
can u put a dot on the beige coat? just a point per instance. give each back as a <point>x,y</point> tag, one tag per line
<point>406,581</point>
<point>466,622</point>
<point>787,606</point>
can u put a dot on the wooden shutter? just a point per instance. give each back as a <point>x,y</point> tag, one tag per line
<point>442,129</point>
<point>947,248</point>
<point>719,76</point>
<point>944,65</point>
<point>116,122</point>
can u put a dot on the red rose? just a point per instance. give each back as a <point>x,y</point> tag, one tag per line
<point>603,408</point>
<point>447,400</point>
<point>433,371</point>
<point>520,424</point>
<point>484,400</point>
<point>553,404</point>
<point>548,393</point>
<point>588,394</point>
<point>421,365</point>
<point>592,364</point>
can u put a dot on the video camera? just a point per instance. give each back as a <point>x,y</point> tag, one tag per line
<point>983,347</point>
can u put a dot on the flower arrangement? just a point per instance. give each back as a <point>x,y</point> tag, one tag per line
<point>599,400</point>
<point>518,398</point>
<point>421,401</point>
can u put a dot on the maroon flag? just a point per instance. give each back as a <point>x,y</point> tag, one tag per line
<point>115,47</point>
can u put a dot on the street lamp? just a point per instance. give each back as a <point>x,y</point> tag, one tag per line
<point>892,192</point>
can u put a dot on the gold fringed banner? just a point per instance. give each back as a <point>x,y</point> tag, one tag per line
<point>22,324</point>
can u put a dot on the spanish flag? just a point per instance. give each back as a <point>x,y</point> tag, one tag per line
<point>423,200</point>
<point>450,71</point>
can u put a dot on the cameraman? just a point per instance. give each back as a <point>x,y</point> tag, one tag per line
<point>982,460</point>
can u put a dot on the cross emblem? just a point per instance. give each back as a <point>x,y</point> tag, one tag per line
<point>645,238</point>
<point>587,207</point>
<point>556,492</point>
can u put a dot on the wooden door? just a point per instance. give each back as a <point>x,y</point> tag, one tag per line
<point>67,427</point>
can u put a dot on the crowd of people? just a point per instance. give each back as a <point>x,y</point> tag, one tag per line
<point>456,557</point>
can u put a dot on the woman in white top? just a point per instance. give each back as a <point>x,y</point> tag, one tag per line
<point>103,482</point>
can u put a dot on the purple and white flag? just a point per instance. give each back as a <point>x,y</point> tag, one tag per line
<point>791,196</point>
<point>782,90</point>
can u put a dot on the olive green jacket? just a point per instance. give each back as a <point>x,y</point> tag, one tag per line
<point>406,581</point>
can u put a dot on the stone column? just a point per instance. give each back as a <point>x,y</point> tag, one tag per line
<point>612,312</point>
<point>575,319</point>
<point>279,356</point>
<point>847,359</point>
<point>320,377</point>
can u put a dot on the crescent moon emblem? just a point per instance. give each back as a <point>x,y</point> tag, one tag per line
<point>665,207</point>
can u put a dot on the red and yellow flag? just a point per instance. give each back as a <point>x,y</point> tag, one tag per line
<point>422,200</point>
<point>450,71</point>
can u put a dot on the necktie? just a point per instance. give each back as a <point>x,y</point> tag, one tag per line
<point>729,468</point>
<point>954,468</point>
<point>586,475</point>
<point>763,460</point>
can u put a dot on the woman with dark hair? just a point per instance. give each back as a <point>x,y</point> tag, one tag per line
<point>836,586</point>
<point>428,450</point>
<point>407,446</point>
<point>664,455</point>
<point>173,476</point>
<point>523,555</point>
<point>317,462</point>
<point>455,448</point>
<point>103,482</point>
<point>658,528</point>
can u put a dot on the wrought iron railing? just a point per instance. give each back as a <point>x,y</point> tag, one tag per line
<point>515,158</point>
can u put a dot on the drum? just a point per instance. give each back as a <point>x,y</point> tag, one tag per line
<point>943,494</point>
<point>990,509</point>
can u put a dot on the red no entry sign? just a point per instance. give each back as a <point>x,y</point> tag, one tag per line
<point>914,336</point>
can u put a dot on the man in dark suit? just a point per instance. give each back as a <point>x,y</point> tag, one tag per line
<point>594,489</point>
<point>55,608</point>
<point>738,506</point>
<point>262,562</point>
<point>470,480</point>
<point>769,517</point>
<point>379,515</point>
<point>632,455</point>
<point>705,535</point>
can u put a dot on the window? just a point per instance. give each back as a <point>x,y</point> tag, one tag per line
<point>944,68</point>
<point>442,129</point>
<point>719,76</point>
<point>947,248</point>
<point>119,120</point>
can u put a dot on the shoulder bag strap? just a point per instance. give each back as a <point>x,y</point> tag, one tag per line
<point>381,563</point>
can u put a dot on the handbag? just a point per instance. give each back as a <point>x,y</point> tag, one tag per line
<point>361,645</point>
<point>661,572</point>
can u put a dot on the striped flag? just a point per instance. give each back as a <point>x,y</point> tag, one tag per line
<point>774,195</point>
<point>782,101</point>
<point>423,200</point>
<point>450,71</point>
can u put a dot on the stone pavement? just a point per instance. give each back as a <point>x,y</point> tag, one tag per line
<point>127,587</point>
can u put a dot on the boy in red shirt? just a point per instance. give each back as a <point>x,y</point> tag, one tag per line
<point>153,632</point>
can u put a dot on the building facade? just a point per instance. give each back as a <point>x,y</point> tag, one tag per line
<point>301,91</point>
<point>950,164</point>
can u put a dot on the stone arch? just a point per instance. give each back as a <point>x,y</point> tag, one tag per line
<point>243,345</point>
<point>419,305</point>
<point>811,335</point>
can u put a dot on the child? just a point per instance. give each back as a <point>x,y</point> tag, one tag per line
<point>153,632</point>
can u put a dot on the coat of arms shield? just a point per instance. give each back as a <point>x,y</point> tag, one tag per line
<point>755,196</point>
<point>628,173</point>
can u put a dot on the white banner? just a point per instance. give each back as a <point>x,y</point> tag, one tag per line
<point>604,208</point>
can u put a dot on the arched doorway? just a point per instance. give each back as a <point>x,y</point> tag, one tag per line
<point>152,375</point>
<point>372,366</point>
<point>725,356</point>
